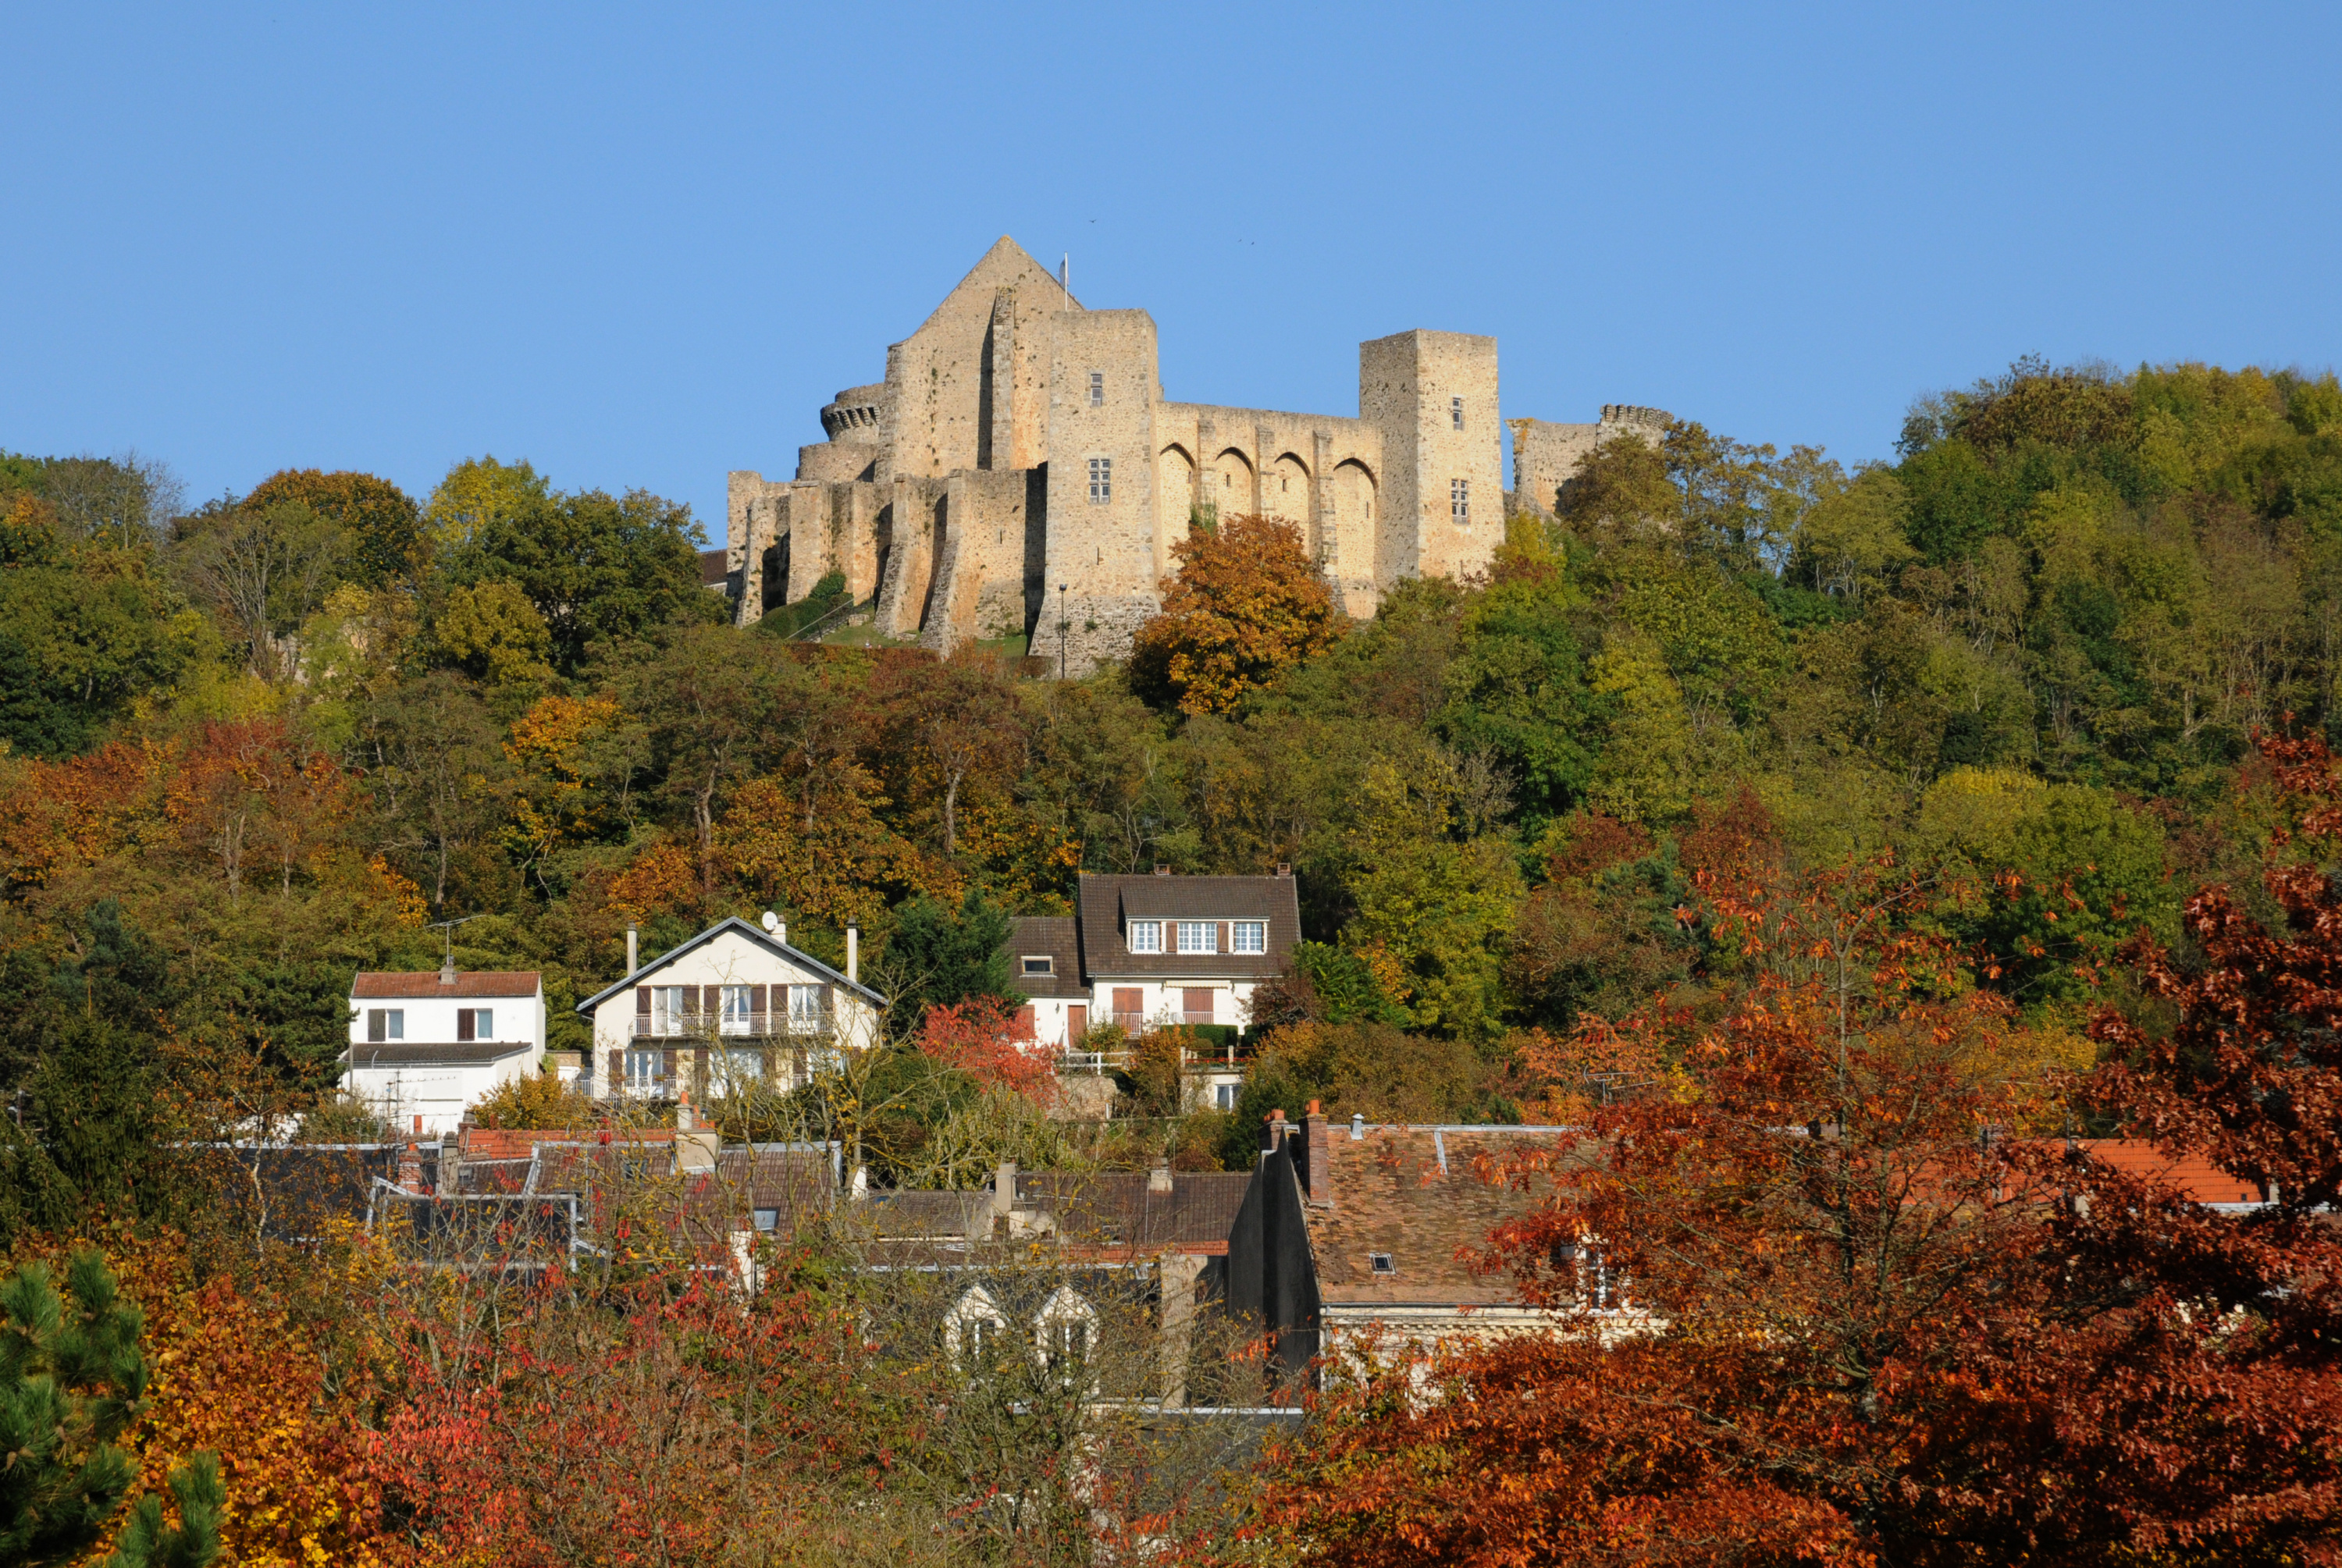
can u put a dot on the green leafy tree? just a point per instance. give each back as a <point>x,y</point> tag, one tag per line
<point>72,1379</point>
<point>937,956</point>
<point>598,568</point>
<point>383,524</point>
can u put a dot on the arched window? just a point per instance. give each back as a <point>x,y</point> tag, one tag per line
<point>974,1329</point>
<point>1064,1335</point>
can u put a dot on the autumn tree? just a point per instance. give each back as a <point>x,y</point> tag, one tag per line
<point>948,732</point>
<point>1246,604</point>
<point>380,520</point>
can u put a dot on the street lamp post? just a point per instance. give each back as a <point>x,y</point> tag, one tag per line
<point>1061,631</point>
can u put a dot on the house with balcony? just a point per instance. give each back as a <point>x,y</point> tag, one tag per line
<point>1148,952</point>
<point>424,1046</point>
<point>733,1007</point>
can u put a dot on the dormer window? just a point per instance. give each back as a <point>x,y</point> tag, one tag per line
<point>1146,936</point>
<point>1198,937</point>
<point>1250,935</point>
<point>1039,964</point>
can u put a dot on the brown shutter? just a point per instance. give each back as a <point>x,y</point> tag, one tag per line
<point>711,1000</point>
<point>617,1072</point>
<point>1195,999</point>
<point>667,1068</point>
<point>642,1002</point>
<point>1077,1024</point>
<point>756,994</point>
<point>464,1018</point>
<point>1024,1024</point>
<point>1226,946</point>
<point>829,1006</point>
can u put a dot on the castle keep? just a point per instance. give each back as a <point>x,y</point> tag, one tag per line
<point>1020,443</point>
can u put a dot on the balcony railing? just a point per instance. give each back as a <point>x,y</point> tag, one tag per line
<point>703,1027</point>
<point>1147,1022</point>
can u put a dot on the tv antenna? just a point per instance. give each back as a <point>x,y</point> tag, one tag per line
<point>448,959</point>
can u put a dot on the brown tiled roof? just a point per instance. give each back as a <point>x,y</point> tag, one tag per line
<point>715,568</point>
<point>517,1143</point>
<point>1122,1208</point>
<point>2199,1179</point>
<point>1107,902</point>
<point>1391,1194</point>
<point>1056,935</point>
<point>391,986</point>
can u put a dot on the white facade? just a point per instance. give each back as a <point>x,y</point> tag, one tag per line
<point>426,1047</point>
<point>732,1006</point>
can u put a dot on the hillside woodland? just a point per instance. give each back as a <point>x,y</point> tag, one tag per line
<point>1747,792</point>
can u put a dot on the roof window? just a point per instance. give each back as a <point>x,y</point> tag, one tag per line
<point>1382,1262</point>
<point>1039,964</point>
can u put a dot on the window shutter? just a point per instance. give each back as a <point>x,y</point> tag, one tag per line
<point>1024,1024</point>
<point>463,1021</point>
<point>1226,946</point>
<point>690,1001</point>
<point>377,1025</point>
<point>711,1000</point>
<point>642,1002</point>
<point>828,1006</point>
<point>617,1070</point>
<point>757,1002</point>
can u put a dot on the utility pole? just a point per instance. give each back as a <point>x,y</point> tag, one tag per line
<point>1061,632</point>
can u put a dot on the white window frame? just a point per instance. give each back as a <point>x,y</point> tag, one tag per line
<point>1249,936</point>
<point>1097,389</point>
<point>737,1017</point>
<point>1199,936</point>
<point>1145,935</point>
<point>804,1009</point>
<point>1036,963</point>
<point>1101,481</point>
<point>1459,501</point>
<point>392,1022</point>
<point>1224,1096</point>
<point>645,1068</point>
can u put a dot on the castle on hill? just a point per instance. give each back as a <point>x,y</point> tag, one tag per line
<point>1020,471</point>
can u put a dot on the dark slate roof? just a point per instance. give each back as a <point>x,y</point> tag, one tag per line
<point>371,985</point>
<point>1421,1194</point>
<point>1108,902</point>
<point>1058,936</point>
<point>754,933</point>
<point>435,1053</point>
<point>1123,1208</point>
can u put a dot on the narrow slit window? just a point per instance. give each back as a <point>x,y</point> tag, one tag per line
<point>1101,481</point>
<point>1459,501</point>
<point>1456,411</point>
<point>1097,389</point>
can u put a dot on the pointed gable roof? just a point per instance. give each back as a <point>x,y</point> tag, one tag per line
<point>1006,264</point>
<point>731,922</point>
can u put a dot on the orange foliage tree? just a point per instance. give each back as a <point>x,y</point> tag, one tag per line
<point>1246,604</point>
<point>1845,1303</point>
<point>991,1041</point>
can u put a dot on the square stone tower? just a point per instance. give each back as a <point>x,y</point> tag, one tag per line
<point>1102,522</point>
<point>1434,397</point>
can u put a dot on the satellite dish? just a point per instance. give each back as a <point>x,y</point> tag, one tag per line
<point>772,921</point>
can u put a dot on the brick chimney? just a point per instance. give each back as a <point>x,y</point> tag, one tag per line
<point>1272,1133</point>
<point>1316,1162</point>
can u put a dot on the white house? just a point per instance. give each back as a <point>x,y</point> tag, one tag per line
<point>733,1005</point>
<point>424,1046</point>
<point>1148,951</point>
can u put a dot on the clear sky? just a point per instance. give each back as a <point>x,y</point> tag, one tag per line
<point>641,248</point>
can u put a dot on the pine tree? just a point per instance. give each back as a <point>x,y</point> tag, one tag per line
<point>72,1379</point>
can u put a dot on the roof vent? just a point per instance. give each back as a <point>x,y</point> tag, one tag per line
<point>1382,1262</point>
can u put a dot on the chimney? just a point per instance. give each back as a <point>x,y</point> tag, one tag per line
<point>1316,1157</point>
<point>1357,1126</point>
<point>1273,1131</point>
<point>447,970</point>
<point>853,952</point>
<point>781,931</point>
<point>1162,870</point>
<point>1004,1193</point>
<point>1158,1180</point>
<point>632,963</point>
<point>684,1122</point>
<point>1284,868</point>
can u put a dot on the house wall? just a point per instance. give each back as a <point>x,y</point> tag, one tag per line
<point>1163,999</point>
<point>440,1095</point>
<point>432,1019</point>
<point>729,958</point>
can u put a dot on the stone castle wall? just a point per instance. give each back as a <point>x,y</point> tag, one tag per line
<point>1019,469</point>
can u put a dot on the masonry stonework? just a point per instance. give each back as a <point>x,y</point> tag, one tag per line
<point>1018,471</point>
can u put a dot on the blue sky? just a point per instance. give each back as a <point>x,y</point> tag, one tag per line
<point>643,248</point>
